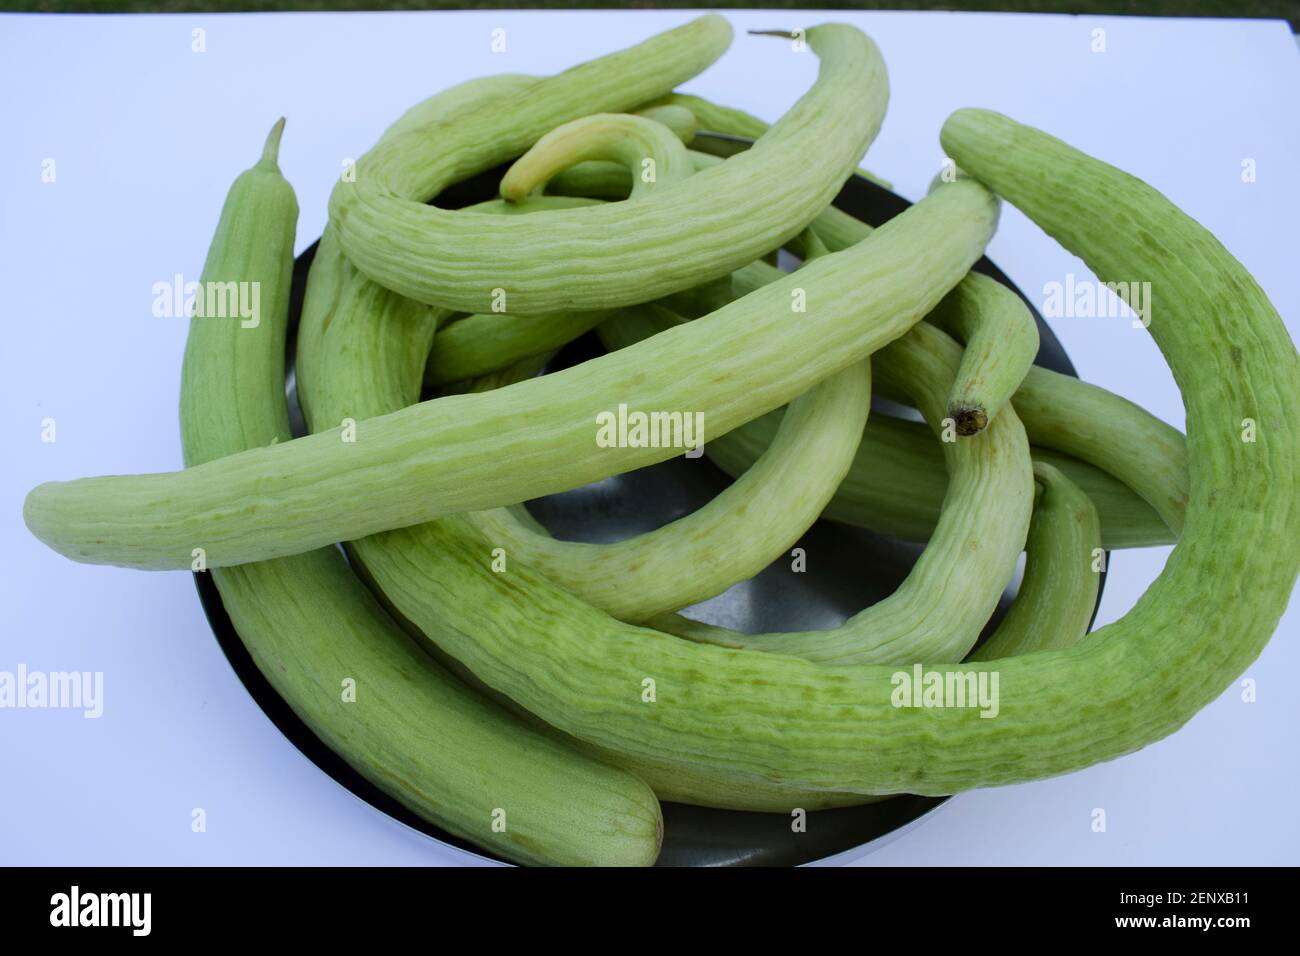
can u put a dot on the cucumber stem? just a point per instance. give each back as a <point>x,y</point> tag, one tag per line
<point>271,151</point>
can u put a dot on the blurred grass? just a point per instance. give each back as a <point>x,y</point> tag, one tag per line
<point>1271,9</point>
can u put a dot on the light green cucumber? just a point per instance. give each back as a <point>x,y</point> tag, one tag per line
<point>475,345</point>
<point>651,151</point>
<point>1059,412</point>
<point>758,517</point>
<point>471,346</point>
<point>314,630</point>
<point>752,203</point>
<point>731,122</point>
<point>779,719</point>
<point>1058,594</point>
<point>729,539</point>
<point>446,456</point>
<point>898,480</point>
<point>367,359</point>
<point>1000,339</point>
<point>937,613</point>
<point>478,344</point>
<point>368,362</point>
<point>1088,422</point>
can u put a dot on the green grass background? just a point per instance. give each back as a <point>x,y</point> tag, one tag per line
<point>1273,9</point>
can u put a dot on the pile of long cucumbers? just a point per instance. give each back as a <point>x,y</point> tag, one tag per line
<point>540,697</point>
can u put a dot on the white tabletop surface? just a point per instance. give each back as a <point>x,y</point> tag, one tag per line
<point>146,136</point>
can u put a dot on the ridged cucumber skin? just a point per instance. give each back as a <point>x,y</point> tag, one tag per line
<point>420,735</point>
<point>715,118</point>
<point>715,222</point>
<point>1058,593</point>
<point>729,539</point>
<point>897,482</point>
<point>253,245</point>
<point>936,614</point>
<point>1060,411</point>
<point>366,346</point>
<point>362,345</point>
<point>1132,682</point>
<point>1000,339</point>
<point>309,624</point>
<point>421,585</point>
<point>366,357</point>
<point>443,457</point>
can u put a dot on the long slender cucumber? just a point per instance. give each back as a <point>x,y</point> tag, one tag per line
<point>442,457</point>
<point>1058,594</point>
<point>1059,412</point>
<point>898,479</point>
<point>1000,339</point>
<point>315,631</point>
<point>726,541</point>
<point>729,539</point>
<point>937,613</point>
<point>752,203</point>
<point>777,718</point>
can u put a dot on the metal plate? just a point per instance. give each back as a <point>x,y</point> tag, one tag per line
<point>850,570</point>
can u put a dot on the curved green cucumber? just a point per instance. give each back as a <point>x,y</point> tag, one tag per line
<point>834,225</point>
<point>613,180</point>
<point>367,363</point>
<point>729,539</point>
<point>608,180</point>
<point>1001,340</point>
<point>752,203</point>
<point>780,719</point>
<point>694,782</point>
<point>478,344</point>
<point>311,626</point>
<point>1066,414</point>
<point>737,534</point>
<point>1058,594</point>
<point>474,345</point>
<point>1059,412</point>
<point>714,118</point>
<point>468,96</point>
<point>734,536</point>
<point>1088,422</point>
<point>444,456</point>
<point>647,148</point>
<point>898,480</point>
<point>367,360</point>
<point>679,119</point>
<point>937,613</point>
<point>1069,415</point>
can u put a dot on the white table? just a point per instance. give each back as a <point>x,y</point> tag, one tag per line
<point>146,136</point>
